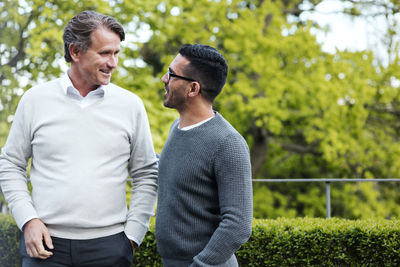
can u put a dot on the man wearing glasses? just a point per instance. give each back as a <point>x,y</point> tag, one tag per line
<point>204,208</point>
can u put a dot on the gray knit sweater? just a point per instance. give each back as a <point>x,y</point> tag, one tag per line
<point>204,210</point>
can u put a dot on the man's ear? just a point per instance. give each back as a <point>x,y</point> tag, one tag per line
<point>194,89</point>
<point>74,51</point>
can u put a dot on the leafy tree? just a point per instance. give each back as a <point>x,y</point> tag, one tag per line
<point>304,112</point>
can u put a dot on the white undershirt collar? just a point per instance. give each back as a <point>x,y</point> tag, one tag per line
<point>187,128</point>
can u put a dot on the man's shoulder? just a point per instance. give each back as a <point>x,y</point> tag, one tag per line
<point>224,126</point>
<point>122,94</point>
<point>42,89</point>
<point>225,132</point>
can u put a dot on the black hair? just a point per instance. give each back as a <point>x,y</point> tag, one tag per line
<point>207,66</point>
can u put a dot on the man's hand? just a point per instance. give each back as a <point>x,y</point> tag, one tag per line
<point>134,246</point>
<point>34,233</point>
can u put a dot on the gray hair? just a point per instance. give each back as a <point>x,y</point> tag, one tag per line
<point>80,28</point>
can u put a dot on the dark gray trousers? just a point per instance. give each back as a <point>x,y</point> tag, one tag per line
<point>109,251</point>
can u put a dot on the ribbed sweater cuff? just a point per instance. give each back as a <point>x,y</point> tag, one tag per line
<point>23,213</point>
<point>136,230</point>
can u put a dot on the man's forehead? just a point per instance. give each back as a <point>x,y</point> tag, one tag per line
<point>102,37</point>
<point>179,62</point>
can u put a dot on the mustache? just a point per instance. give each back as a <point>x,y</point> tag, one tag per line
<point>162,92</point>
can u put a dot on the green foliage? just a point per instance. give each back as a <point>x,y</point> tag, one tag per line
<point>322,242</point>
<point>146,255</point>
<point>9,242</point>
<point>351,200</point>
<point>365,200</point>
<point>304,112</point>
<point>281,242</point>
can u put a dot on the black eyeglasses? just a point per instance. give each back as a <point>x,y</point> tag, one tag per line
<point>170,74</point>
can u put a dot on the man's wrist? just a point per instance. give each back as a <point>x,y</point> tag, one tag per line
<point>134,245</point>
<point>134,240</point>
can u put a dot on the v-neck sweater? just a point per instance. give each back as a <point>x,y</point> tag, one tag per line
<point>81,158</point>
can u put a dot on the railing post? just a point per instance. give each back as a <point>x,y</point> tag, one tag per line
<point>328,200</point>
<point>327,182</point>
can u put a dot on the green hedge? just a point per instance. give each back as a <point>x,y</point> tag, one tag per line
<point>322,242</point>
<point>9,242</point>
<point>281,242</point>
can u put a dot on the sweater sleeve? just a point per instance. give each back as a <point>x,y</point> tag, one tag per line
<point>233,177</point>
<point>13,163</point>
<point>143,169</point>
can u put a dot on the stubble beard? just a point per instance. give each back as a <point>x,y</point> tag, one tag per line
<point>170,101</point>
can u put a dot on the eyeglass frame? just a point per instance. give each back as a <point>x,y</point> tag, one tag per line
<point>170,74</point>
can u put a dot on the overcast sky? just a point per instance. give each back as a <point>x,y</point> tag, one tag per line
<point>346,32</point>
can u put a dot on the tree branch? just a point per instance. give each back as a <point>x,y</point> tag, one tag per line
<point>21,46</point>
<point>300,149</point>
<point>384,109</point>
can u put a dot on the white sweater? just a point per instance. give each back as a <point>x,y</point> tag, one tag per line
<point>81,158</point>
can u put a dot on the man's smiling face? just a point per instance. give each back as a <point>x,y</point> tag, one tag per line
<point>97,64</point>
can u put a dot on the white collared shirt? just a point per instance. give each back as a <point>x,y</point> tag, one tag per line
<point>71,92</point>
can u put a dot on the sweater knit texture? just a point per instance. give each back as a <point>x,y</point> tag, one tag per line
<point>204,209</point>
<point>81,159</point>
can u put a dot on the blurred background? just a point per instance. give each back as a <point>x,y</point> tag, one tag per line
<point>313,85</point>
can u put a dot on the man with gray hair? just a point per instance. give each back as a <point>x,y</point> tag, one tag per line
<point>85,136</point>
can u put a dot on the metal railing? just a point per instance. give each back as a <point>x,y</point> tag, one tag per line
<point>327,182</point>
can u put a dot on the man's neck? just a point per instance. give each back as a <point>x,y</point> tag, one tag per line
<point>79,84</point>
<point>192,116</point>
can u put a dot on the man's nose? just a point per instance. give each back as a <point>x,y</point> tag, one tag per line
<point>164,78</point>
<point>113,62</point>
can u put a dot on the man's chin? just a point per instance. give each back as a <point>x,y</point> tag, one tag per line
<point>167,105</point>
<point>104,82</point>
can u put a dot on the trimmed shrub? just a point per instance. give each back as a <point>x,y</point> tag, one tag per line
<point>146,255</point>
<point>9,242</point>
<point>280,242</point>
<point>322,242</point>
